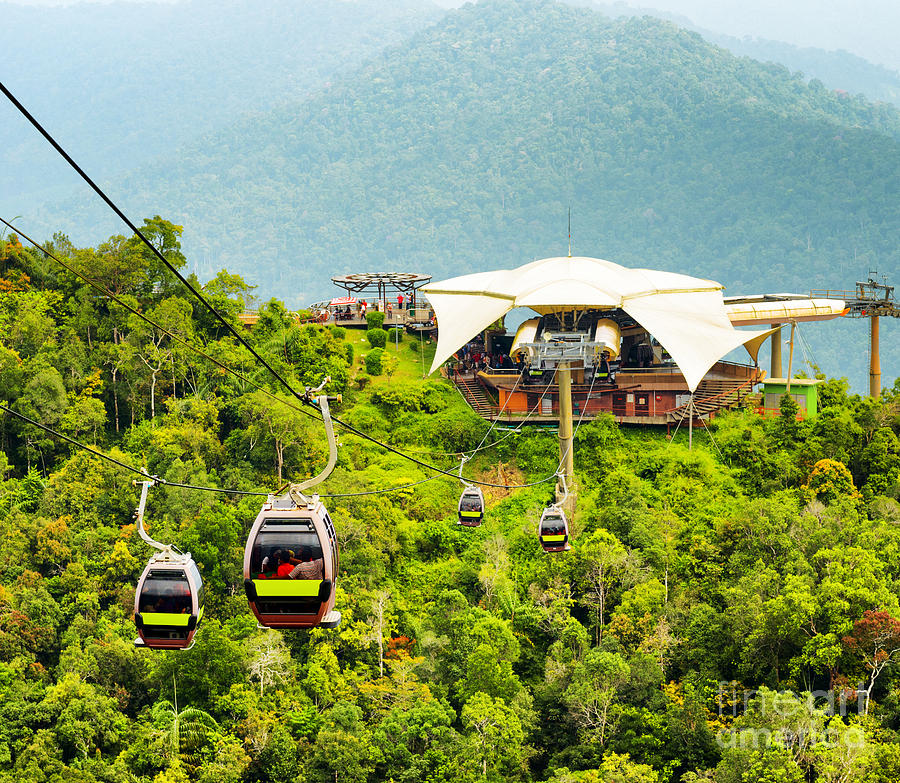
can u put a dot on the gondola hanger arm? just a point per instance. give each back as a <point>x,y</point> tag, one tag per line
<point>139,515</point>
<point>296,490</point>
<point>562,477</point>
<point>462,463</point>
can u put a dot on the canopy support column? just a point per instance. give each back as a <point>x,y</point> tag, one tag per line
<point>775,367</point>
<point>874,359</point>
<point>566,439</point>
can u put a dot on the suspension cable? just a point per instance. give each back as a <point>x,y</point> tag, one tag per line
<point>514,431</point>
<point>181,485</point>
<point>301,397</point>
<point>115,461</point>
<point>96,188</point>
<point>121,302</point>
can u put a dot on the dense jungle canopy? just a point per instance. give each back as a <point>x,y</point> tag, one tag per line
<point>713,602</point>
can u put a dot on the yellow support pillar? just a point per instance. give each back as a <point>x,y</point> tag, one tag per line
<point>790,360</point>
<point>566,445</point>
<point>874,360</point>
<point>566,439</point>
<point>775,367</point>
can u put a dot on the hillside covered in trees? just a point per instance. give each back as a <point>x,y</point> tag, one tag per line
<point>838,69</point>
<point>140,80</point>
<point>462,149</point>
<point>726,614</point>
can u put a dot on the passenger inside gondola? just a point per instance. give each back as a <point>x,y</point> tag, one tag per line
<point>308,567</point>
<point>286,562</point>
<point>166,592</point>
<point>274,553</point>
<point>470,503</point>
<point>553,526</point>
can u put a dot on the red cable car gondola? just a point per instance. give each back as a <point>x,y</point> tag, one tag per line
<point>291,556</point>
<point>553,530</point>
<point>291,565</point>
<point>168,604</point>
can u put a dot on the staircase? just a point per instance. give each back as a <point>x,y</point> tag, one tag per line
<point>714,395</point>
<point>474,395</point>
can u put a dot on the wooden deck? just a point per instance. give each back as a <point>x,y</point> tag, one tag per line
<point>656,396</point>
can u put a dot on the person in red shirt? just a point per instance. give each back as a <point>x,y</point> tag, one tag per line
<point>286,563</point>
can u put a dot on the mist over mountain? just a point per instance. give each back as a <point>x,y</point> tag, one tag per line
<point>837,69</point>
<point>866,28</point>
<point>122,83</point>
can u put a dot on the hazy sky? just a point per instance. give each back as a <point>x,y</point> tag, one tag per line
<point>868,28</point>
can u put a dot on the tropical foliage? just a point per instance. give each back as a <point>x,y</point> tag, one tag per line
<point>728,613</point>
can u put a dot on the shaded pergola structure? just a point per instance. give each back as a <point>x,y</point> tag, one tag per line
<point>686,314</point>
<point>382,285</point>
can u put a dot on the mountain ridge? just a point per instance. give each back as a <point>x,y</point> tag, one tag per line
<point>462,149</point>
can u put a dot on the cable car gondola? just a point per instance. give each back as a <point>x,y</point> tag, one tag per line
<point>291,565</point>
<point>168,602</point>
<point>291,557</point>
<point>553,530</point>
<point>471,507</point>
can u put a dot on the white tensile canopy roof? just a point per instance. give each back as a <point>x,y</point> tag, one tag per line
<point>686,314</point>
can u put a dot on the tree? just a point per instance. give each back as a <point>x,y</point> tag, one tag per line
<point>269,661</point>
<point>155,349</point>
<point>415,741</point>
<point>117,357</point>
<point>165,236</point>
<point>83,719</point>
<point>344,749</point>
<point>182,731</point>
<point>275,422</point>
<point>829,481</point>
<point>113,265</point>
<point>495,735</point>
<point>602,560</point>
<point>875,639</point>
<point>379,622</point>
<point>594,690</point>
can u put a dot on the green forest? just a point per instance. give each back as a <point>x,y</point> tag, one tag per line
<point>326,138</point>
<point>463,148</point>
<point>139,80</point>
<point>728,613</point>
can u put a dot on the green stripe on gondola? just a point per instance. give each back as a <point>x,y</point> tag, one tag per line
<point>165,618</point>
<point>553,538</point>
<point>470,513</point>
<point>287,588</point>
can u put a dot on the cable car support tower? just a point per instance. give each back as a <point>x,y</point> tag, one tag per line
<point>872,300</point>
